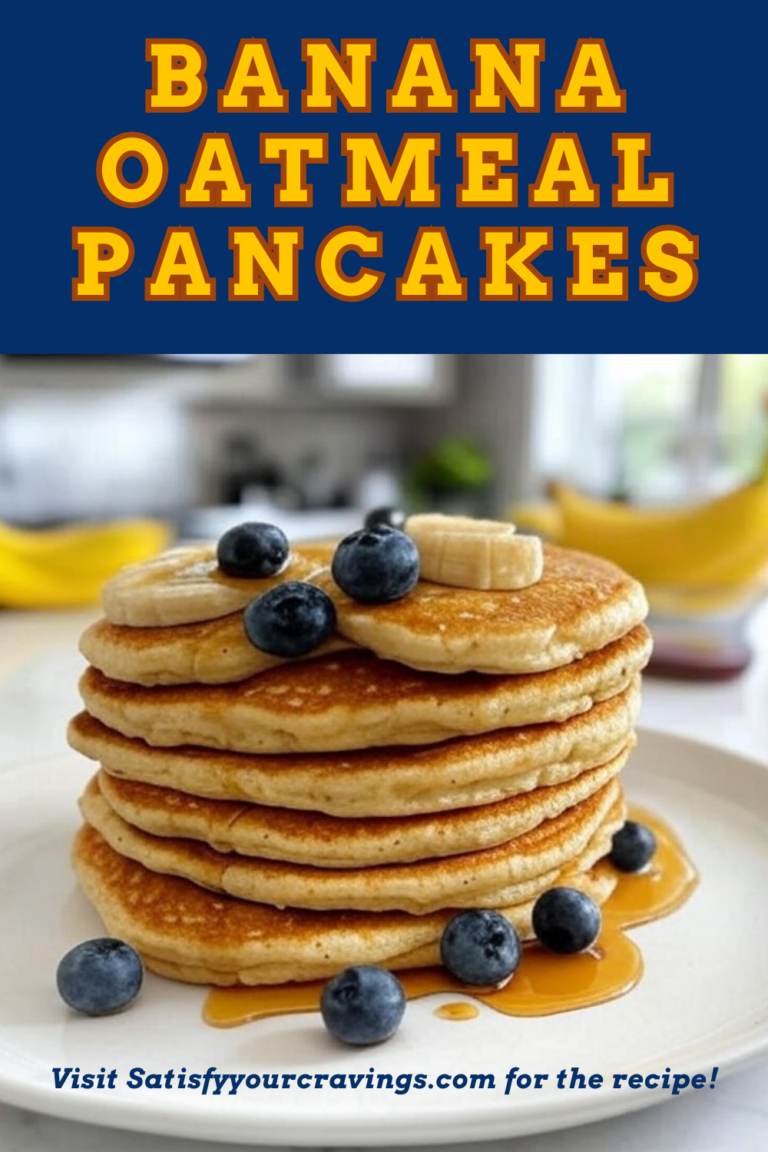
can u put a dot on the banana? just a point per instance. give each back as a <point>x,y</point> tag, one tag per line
<point>25,584</point>
<point>717,543</point>
<point>481,554</point>
<point>185,586</point>
<point>63,568</point>
<point>70,549</point>
<point>40,541</point>
<point>541,516</point>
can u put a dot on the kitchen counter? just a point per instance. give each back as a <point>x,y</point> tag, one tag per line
<point>39,667</point>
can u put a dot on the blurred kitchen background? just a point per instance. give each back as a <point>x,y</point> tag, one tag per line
<point>659,462</point>
<point>312,440</point>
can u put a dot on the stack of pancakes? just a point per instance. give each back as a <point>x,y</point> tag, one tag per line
<point>257,820</point>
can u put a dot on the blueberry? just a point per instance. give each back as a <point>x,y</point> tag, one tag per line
<point>252,551</point>
<point>363,1005</point>
<point>394,517</point>
<point>376,565</point>
<point>290,620</point>
<point>480,947</point>
<point>566,920</point>
<point>100,976</point>
<point>632,847</point>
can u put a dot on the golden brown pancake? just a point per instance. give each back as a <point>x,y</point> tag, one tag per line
<point>354,700</point>
<point>214,652</point>
<point>329,842</point>
<point>187,933</point>
<point>581,604</point>
<point>508,873</point>
<point>392,781</point>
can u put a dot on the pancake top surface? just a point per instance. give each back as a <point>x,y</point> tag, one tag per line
<point>581,603</point>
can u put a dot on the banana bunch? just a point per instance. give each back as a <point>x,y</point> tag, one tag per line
<point>66,567</point>
<point>718,543</point>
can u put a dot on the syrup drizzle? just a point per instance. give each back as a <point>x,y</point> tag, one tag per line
<point>457,1010</point>
<point>544,983</point>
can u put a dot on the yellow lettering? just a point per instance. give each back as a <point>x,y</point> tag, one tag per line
<point>178,76</point>
<point>101,254</point>
<point>510,274</point>
<point>370,177</point>
<point>501,75</point>
<point>421,84</point>
<point>590,84</point>
<point>293,151</point>
<point>670,255</point>
<point>215,179</point>
<point>594,277</point>
<point>329,257</point>
<point>633,190</point>
<point>483,154</point>
<point>349,74</point>
<point>564,176</point>
<point>180,272</point>
<point>253,84</point>
<point>432,272</point>
<point>272,264</point>
<point>154,169</point>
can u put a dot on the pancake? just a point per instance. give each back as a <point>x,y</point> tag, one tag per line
<point>378,781</point>
<point>189,934</point>
<point>185,585</point>
<point>580,604</point>
<point>329,842</point>
<point>509,873</point>
<point>214,652</point>
<point>354,700</point>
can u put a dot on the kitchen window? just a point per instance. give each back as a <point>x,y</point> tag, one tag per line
<point>652,428</point>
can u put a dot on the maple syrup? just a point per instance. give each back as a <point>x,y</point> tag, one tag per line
<point>457,1010</point>
<point>544,983</point>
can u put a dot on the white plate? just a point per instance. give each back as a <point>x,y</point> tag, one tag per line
<point>703,1001</point>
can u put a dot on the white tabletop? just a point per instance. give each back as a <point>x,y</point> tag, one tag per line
<point>39,667</point>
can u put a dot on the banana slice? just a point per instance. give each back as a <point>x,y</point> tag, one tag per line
<point>186,586</point>
<point>482,554</point>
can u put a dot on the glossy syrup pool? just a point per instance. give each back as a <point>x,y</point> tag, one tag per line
<point>544,983</point>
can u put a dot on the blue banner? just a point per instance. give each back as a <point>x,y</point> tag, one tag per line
<point>305,178</point>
